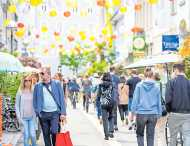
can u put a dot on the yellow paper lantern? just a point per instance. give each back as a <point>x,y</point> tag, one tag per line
<point>152,1</point>
<point>123,9</point>
<point>35,3</point>
<point>6,22</point>
<point>53,13</point>
<point>83,13</point>
<point>12,9</point>
<point>104,31</point>
<point>52,46</point>
<point>92,38</point>
<point>20,33</point>
<point>71,3</point>
<point>116,2</point>
<point>44,29</point>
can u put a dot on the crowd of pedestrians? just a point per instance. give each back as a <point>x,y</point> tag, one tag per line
<point>42,100</point>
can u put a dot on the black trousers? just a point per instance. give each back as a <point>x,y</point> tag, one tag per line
<point>49,122</point>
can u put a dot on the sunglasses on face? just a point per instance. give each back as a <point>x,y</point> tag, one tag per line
<point>27,80</point>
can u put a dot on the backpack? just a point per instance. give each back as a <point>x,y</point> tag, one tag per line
<point>106,98</point>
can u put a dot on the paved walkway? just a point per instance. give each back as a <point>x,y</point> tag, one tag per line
<point>86,131</point>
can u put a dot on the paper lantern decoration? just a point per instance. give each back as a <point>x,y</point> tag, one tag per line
<point>92,38</point>
<point>53,13</point>
<point>70,38</point>
<point>101,3</point>
<point>6,22</point>
<point>71,4</point>
<point>37,36</point>
<point>52,46</point>
<point>56,34</point>
<point>46,52</point>
<point>44,29</point>
<point>116,2</point>
<point>137,29</point>
<point>123,9</point>
<point>12,9</point>
<point>20,33</point>
<point>60,46</point>
<point>67,13</point>
<point>20,25</point>
<point>152,2</point>
<point>83,13</point>
<point>104,31</point>
<point>35,3</point>
<point>113,37</point>
<point>138,7</point>
<point>58,38</point>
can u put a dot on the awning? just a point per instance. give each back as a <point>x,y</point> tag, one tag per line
<point>160,59</point>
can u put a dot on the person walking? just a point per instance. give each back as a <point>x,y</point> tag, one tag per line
<point>105,97</point>
<point>25,111</point>
<point>115,82</point>
<point>132,82</point>
<point>49,105</point>
<point>86,84</point>
<point>146,105</point>
<point>178,105</point>
<point>123,100</point>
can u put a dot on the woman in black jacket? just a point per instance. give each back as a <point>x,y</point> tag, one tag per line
<point>105,97</point>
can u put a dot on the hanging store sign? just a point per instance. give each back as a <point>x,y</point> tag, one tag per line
<point>139,43</point>
<point>170,42</point>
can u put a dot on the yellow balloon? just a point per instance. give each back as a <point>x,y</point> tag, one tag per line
<point>44,29</point>
<point>123,9</point>
<point>12,9</point>
<point>53,13</point>
<point>83,37</point>
<point>81,33</point>
<point>92,38</point>
<point>116,2</point>
<point>6,22</point>
<point>108,4</point>
<point>152,1</point>
<point>36,2</point>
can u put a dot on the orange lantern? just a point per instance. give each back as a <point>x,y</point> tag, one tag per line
<point>56,33</point>
<point>20,25</point>
<point>113,37</point>
<point>70,38</point>
<point>138,7</point>
<point>67,13</point>
<point>137,29</point>
<point>101,3</point>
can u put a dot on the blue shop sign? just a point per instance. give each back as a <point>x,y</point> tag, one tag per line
<point>170,42</point>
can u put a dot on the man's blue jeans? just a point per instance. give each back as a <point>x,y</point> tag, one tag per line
<point>50,124</point>
<point>29,131</point>
<point>148,121</point>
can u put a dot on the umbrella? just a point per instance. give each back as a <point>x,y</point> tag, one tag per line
<point>31,69</point>
<point>160,59</point>
<point>9,63</point>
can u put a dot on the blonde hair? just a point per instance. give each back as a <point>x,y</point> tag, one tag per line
<point>22,86</point>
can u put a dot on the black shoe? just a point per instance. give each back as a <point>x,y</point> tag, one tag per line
<point>106,138</point>
<point>116,129</point>
<point>111,135</point>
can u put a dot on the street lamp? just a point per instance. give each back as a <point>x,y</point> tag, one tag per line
<point>12,26</point>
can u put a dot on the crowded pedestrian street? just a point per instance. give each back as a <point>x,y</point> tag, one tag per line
<point>94,72</point>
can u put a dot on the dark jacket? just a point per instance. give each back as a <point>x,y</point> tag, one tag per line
<point>58,97</point>
<point>178,95</point>
<point>132,82</point>
<point>115,82</point>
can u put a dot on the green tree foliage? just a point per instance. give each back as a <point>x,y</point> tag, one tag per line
<point>187,67</point>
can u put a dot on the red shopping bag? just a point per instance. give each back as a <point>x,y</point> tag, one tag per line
<point>63,139</point>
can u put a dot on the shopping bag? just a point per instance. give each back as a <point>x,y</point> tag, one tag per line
<point>63,138</point>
